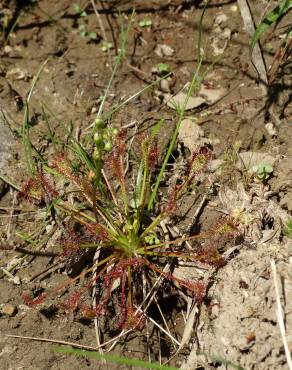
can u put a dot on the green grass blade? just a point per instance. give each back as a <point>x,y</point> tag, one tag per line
<point>156,128</point>
<point>144,174</point>
<point>119,58</point>
<point>132,97</point>
<point>225,362</point>
<point>12,29</point>
<point>9,182</point>
<point>138,186</point>
<point>27,144</point>
<point>114,358</point>
<point>50,132</point>
<point>272,17</point>
<point>194,84</point>
<point>83,156</point>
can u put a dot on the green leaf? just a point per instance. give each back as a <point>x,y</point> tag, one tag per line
<point>270,18</point>
<point>106,46</point>
<point>163,68</point>
<point>116,359</point>
<point>288,229</point>
<point>268,168</point>
<point>156,128</point>
<point>145,23</point>
<point>76,8</point>
<point>82,27</point>
<point>92,35</point>
<point>83,156</point>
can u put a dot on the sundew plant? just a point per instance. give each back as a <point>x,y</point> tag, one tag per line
<point>112,216</point>
<point>116,216</point>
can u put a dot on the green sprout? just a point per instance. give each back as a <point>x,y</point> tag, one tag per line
<point>288,229</point>
<point>106,46</point>
<point>145,23</point>
<point>83,32</point>
<point>270,48</point>
<point>263,171</point>
<point>82,24</point>
<point>79,11</point>
<point>163,68</point>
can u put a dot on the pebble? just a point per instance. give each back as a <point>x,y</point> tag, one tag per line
<point>9,310</point>
<point>164,86</point>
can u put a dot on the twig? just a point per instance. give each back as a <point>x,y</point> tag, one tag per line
<point>150,295</point>
<point>257,57</point>
<point>110,190</point>
<point>161,314</point>
<point>280,316</point>
<point>8,229</point>
<point>96,321</point>
<point>160,327</point>
<point>38,339</point>
<point>47,271</point>
<point>101,28</point>
<point>22,250</point>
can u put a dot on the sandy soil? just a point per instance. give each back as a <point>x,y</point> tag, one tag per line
<point>236,325</point>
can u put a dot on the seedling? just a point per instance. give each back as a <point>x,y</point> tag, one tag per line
<point>163,68</point>
<point>78,10</point>
<point>83,24</point>
<point>288,229</point>
<point>83,32</point>
<point>145,23</point>
<point>262,171</point>
<point>106,46</point>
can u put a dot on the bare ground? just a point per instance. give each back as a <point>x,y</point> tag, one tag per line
<point>237,323</point>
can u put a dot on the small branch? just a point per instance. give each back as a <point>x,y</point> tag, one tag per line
<point>56,341</point>
<point>101,28</point>
<point>27,251</point>
<point>280,316</point>
<point>257,57</point>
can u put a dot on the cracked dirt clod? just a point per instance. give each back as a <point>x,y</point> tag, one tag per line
<point>8,310</point>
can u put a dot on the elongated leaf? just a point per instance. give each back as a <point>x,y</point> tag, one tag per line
<point>270,18</point>
<point>82,155</point>
<point>25,132</point>
<point>114,358</point>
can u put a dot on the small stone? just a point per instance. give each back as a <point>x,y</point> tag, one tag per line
<point>163,50</point>
<point>9,310</point>
<point>271,129</point>
<point>164,86</point>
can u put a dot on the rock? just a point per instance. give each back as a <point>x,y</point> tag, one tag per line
<point>271,129</point>
<point>221,35</point>
<point>179,99</point>
<point>10,107</point>
<point>212,95</point>
<point>190,134</point>
<point>9,310</point>
<point>215,165</point>
<point>6,142</point>
<point>249,160</point>
<point>204,96</point>
<point>164,86</point>
<point>10,99</point>
<point>163,50</point>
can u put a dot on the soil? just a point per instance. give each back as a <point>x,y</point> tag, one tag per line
<point>236,326</point>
